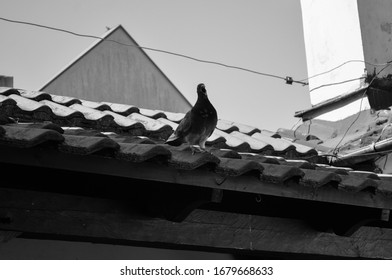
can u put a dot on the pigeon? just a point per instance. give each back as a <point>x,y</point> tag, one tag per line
<point>197,125</point>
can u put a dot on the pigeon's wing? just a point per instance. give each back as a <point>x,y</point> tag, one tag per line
<point>182,129</point>
<point>185,125</point>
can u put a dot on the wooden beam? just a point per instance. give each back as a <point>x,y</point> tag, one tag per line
<point>201,177</point>
<point>83,218</point>
<point>6,235</point>
<point>330,104</point>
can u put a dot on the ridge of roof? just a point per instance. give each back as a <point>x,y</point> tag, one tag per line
<point>81,55</point>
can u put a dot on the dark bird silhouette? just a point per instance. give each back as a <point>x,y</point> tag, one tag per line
<point>198,124</point>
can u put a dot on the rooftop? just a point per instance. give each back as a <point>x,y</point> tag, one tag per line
<point>43,133</point>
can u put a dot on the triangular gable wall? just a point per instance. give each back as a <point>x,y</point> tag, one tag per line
<point>109,71</point>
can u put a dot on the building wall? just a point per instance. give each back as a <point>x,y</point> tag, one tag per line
<point>332,36</point>
<point>6,81</point>
<point>116,73</point>
<point>337,31</point>
<point>376,29</point>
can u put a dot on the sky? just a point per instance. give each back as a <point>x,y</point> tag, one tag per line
<point>265,36</point>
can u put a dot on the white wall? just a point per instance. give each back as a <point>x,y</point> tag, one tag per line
<point>376,29</point>
<point>332,36</point>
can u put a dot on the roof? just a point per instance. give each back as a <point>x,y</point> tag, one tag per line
<point>255,191</point>
<point>361,138</point>
<point>98,42</point>
<point>74,134</point>
<point>130,121</point>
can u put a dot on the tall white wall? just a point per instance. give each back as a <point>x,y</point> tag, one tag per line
<point>332,33</point>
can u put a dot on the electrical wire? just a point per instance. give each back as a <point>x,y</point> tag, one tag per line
<point>341,65</point>
<point>360,108</point>
<point>310,124</point>
<point>296,124</point>
<point>382,132</point>
<point>287,79</point>
<point>356,118</point>
<point>350,80</point>
<point>385,162</point>
<point>337,83</point>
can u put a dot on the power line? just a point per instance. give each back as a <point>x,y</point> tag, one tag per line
<point>296,124</point>
<point>337,83</point>
<point>341,65</point>
<point>360,107</point>
<point>350,80</point>
<point>356,118</point>
<point>287,79</point>
<point>346,81</point>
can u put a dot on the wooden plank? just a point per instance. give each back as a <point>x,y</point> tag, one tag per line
<point>107,221</point>
<point>331,104</point>
<point>6,235</point>
<point>201,177</point>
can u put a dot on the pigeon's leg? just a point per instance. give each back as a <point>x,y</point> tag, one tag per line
<point>202,145</point>
<point>196,149</point>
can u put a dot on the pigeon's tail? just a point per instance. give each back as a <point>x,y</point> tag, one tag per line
<point>174,140</point>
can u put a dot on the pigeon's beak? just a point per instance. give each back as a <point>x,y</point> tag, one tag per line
<point>201,89</point>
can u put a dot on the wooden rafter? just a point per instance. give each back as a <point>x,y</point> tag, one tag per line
<point>71,217</point>
<point>202,177</point>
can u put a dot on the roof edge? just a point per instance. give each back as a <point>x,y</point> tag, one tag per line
<point>80,56</point>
